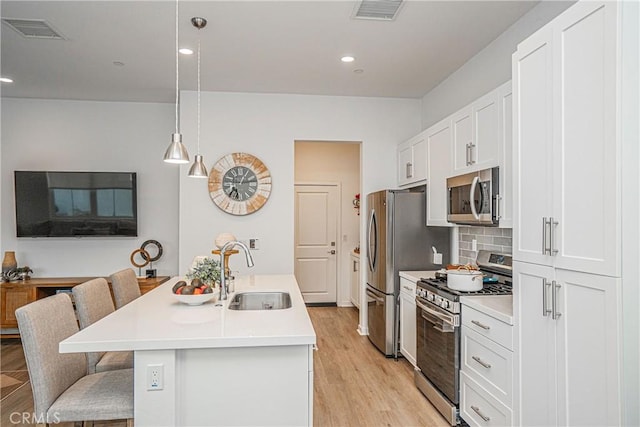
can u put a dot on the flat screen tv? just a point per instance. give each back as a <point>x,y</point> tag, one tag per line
<point>75,204</point>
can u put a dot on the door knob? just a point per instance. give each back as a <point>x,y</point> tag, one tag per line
<point>332,252</point>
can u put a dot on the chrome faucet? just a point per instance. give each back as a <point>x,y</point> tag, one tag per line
<point>223,280</point>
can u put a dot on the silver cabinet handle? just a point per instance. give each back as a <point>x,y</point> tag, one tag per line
<point>477,323</point>
<point>409,170</point>
<point>545,309</point>
<point>554,300</point>
<point>544,235</point>
<point>355,268</point>
<point>408,288</point>
<point>497,209</point>
<point>471,147</point>
<point>481,362</point>
<point>468,155</point>
<point>552,225</point>
<point>332,252</point>
<point>477,411</point>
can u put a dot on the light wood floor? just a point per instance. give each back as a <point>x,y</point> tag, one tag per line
<point>355,385</point>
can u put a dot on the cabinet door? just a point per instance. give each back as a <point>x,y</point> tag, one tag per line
<point>405,163</point>
<point>419,147</point>
<point>485,147</point>
<point>532,161</point>
<point>438,140</point>
<point>462,139</point>
<point>505,98</point>
<point>408,327</point>
<point>535,345</point>
<point>587,181</point>
<point>587,349</point>
<point>13,298</point>
<point>355,281</point>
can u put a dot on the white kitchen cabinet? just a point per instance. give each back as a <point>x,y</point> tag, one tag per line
<point>355,279</point>
<point>568,346</point>
<point>462,126</point>
<point>412,161</point>
<point>408,320</point>
<point>566,151</point>
<point>486,368</point>
<point>439,168</point>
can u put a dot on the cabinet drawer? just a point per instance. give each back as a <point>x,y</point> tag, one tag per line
<point>479,408</point>
<point>488,326</point>
<point>488,363</point>
<point>408,287</point>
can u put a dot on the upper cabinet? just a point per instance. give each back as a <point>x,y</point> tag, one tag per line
<point>439,165</point>
<point>566,151</point>
<point>412,161</point>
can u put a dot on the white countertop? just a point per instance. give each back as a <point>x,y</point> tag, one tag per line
<point>498,306</point>
<point>415,276</point>
<point>156,321</point>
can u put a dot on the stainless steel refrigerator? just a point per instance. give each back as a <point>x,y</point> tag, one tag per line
<point>397,239</point>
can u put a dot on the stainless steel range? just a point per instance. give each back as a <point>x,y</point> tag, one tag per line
<point>438,330</point>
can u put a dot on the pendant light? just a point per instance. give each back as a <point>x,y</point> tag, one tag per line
<point>198,169</point>
<point>176,152</point>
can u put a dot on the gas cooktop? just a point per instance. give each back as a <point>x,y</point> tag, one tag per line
<point>488,288</point>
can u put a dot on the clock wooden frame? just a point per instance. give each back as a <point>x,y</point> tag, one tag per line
<point>223,200</point>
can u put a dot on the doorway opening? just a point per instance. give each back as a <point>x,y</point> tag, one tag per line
<point>326,220</point>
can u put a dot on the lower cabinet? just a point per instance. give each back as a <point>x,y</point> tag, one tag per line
<point>568,346</point>
<point>355,280</point>
<point>486,369</point>
<point>408,320</point>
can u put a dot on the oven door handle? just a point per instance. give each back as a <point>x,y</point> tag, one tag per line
<point>440,316</point>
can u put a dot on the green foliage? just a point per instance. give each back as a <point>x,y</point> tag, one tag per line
<point>207,270</point>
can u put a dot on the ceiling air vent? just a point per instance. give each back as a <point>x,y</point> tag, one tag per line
<point>33,28</point>
<point>381,10</point>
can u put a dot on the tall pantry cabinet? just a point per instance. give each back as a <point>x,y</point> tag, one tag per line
<point>567,220</point>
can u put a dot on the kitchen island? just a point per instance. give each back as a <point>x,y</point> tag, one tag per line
<point>210,365</point>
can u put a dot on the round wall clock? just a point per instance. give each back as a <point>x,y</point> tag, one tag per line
<point>239,183</point>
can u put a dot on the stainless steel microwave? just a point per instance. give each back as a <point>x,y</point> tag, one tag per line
<point>474,198</point>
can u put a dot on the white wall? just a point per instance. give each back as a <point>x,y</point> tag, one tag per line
<point>488,69</point>
<point>335,162</point>
<point>267,125</point>
<point>91,136</point>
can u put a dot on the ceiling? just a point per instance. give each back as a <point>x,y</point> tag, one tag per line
<point>247,46</point>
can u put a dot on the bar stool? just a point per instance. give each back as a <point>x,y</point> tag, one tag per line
<point>93,302</point>
<point>62,389</point>
<point>125,287</point>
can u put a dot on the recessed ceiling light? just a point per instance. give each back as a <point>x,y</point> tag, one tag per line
<point>6,80</point>
<point>358,71</point>
<point>347,59</point>
<point>185,51</point>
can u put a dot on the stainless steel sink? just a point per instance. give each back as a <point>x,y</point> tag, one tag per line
<point>260,301</point>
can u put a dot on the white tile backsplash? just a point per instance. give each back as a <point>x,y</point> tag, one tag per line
<point>488,238</point>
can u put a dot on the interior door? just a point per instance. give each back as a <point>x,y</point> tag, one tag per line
<point>316,219</point>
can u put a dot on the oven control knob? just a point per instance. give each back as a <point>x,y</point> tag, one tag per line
<point>444,303</point>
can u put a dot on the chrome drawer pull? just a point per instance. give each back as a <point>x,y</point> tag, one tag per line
<point>485,327</point>
<point>480,361</point>
<point>477,411</point>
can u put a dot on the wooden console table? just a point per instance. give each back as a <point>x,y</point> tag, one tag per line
<point>16,294</point>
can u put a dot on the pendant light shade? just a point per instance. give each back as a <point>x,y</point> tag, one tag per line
<point>177,152</point>
<point>198,169</point>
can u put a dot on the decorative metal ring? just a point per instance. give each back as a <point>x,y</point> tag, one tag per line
<point>157,245</point>
<point>144,254</point>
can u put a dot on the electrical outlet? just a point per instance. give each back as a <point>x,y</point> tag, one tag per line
<point>254,244</point>
<point>474,245</point>
<point>155,377</point>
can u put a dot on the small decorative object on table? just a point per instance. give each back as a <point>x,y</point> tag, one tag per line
<point>223,238</point>
<point>195,292</point>
<point>9,262</point>
<point>23,272</point>
<point>356,203</point>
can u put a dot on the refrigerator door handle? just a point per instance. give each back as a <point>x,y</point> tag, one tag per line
<point>373,235</point>
<point>375,297</point>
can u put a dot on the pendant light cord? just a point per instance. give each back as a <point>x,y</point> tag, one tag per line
<point>177,70</point>
<point>198,93</point>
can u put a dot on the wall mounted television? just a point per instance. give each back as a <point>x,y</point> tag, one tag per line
<point>76,204</point>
